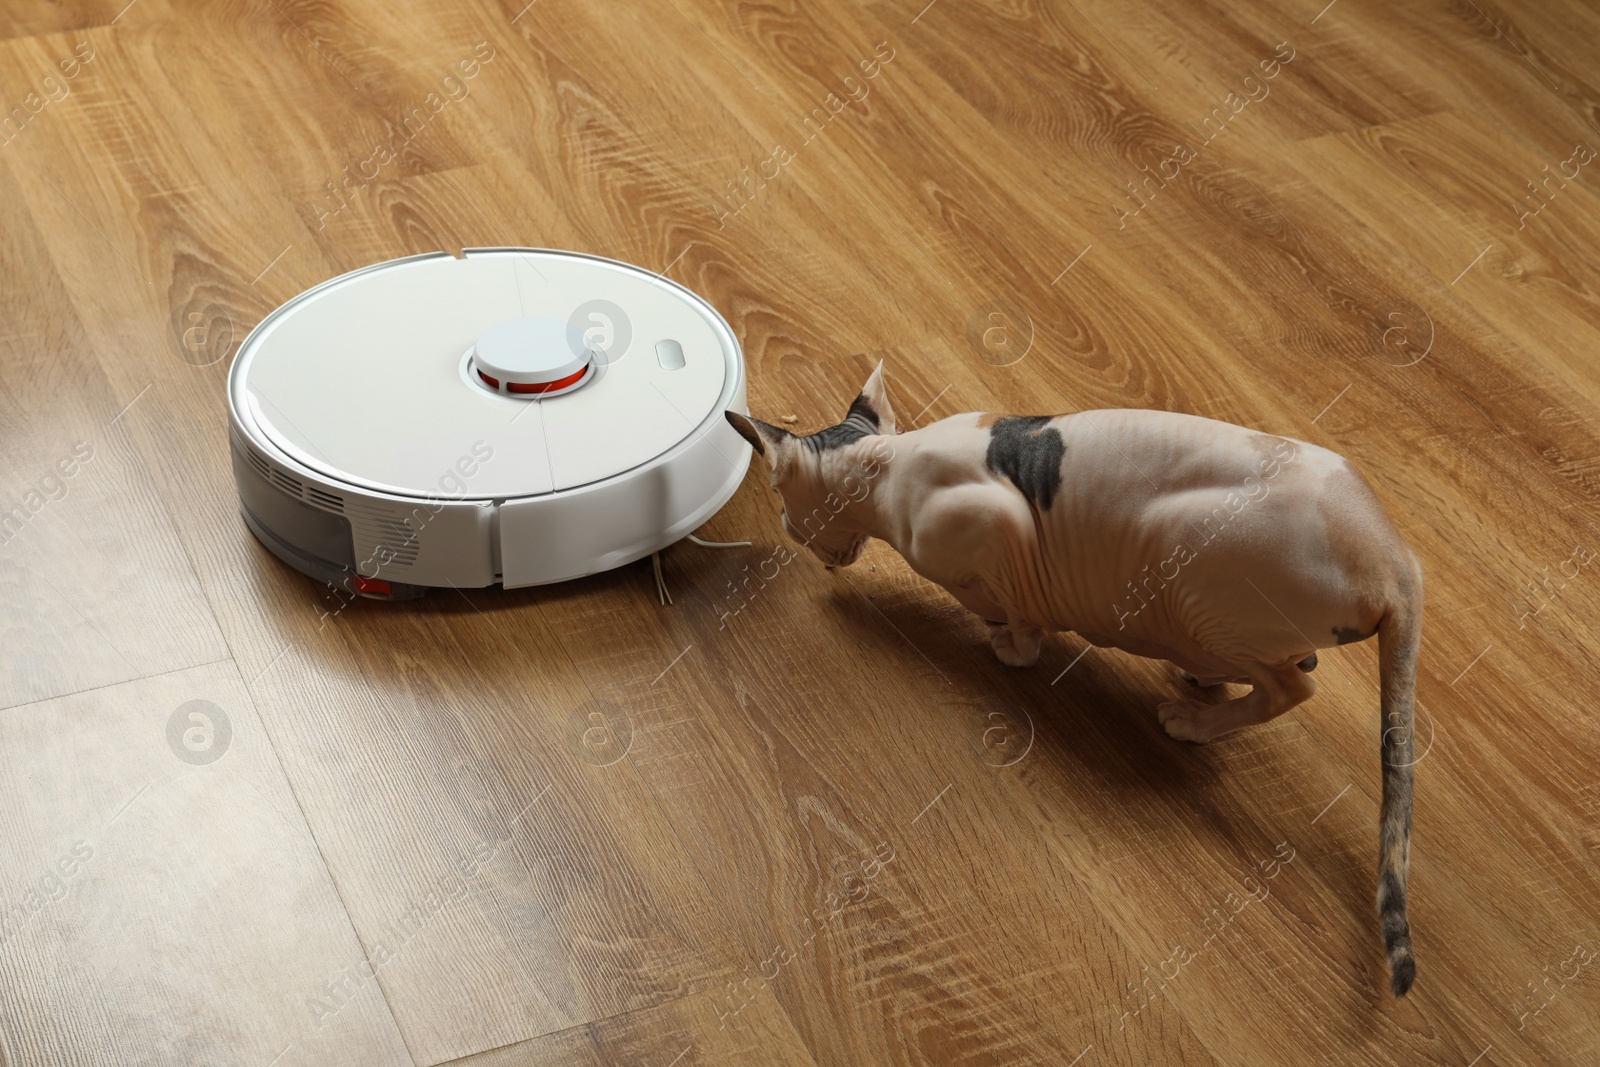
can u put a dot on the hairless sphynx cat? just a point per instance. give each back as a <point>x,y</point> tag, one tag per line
<point>1234,554</point>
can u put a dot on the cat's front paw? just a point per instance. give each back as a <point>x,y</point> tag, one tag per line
<point>1015,657</point>
<point>1015,648</point>
<point>1182,720</point>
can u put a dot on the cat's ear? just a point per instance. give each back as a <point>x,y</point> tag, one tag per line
<point>772,442</point>
<point>875,398</point>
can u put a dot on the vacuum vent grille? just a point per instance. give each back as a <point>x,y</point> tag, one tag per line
<point>310,494</point>
<point>258,463</point>
<point>400,540</point>
<point>326,499</point>
<point>385,535</point>
<point>388,536</point>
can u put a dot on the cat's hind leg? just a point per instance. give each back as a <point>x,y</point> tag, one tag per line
<point>1274,690</point>
<point>1203,681</point>
<point>1015,646</point>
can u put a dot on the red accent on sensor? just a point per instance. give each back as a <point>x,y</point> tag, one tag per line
<point>492,381</point>
<point>544,387</point>
<point>364,584</point>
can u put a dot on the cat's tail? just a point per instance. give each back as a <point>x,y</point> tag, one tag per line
<point>1399,635</point>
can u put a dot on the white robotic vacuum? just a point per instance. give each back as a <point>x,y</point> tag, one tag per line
<point>515,416</point>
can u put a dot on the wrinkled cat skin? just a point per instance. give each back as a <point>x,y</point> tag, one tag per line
<point>1232,553</point>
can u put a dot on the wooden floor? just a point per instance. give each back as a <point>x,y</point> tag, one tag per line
<point>810,821</point>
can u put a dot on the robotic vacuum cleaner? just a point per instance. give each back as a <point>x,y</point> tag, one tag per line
<point>514,416</point>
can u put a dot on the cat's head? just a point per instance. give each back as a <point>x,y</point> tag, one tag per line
<point>821,476</point>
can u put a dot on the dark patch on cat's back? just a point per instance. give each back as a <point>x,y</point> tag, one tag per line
<point>1029,451</point>
<point>1349,635</point>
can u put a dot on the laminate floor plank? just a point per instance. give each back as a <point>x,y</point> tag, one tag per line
<point>165,900</point>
